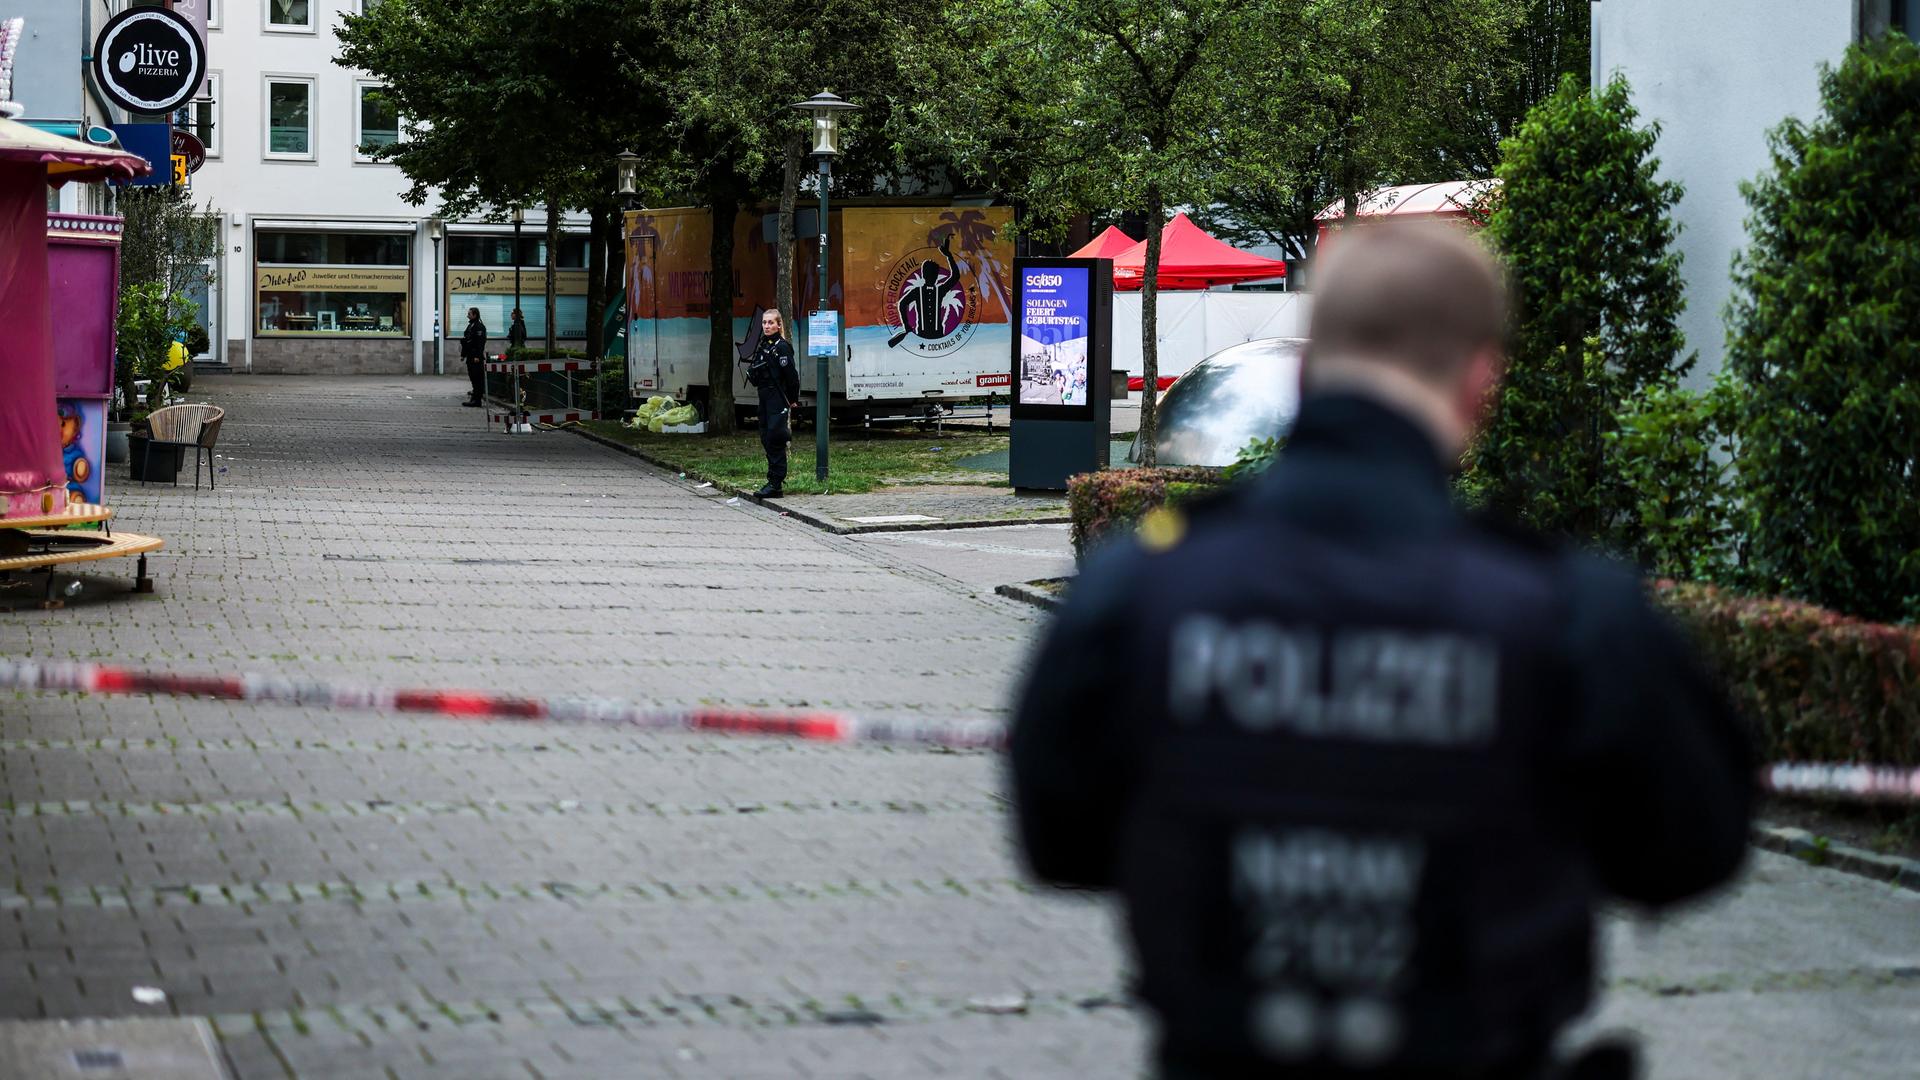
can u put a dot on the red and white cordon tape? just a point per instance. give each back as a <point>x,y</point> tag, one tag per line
<point>1873,783</point>
<point>1881,783</point>
<point>820,726</point>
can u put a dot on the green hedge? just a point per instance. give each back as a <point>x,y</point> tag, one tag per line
<point>1819,686</point>
<point>1116,499</point>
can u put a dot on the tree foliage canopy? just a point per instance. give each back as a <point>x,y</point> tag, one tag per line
<point>1824,344</point>
<point>1583,225</point>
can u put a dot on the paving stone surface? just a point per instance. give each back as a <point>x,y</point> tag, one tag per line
<point>357,895</point>
<point>929,504</point>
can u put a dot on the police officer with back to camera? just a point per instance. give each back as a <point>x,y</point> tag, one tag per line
<point>771,372</point>
<point>1360,767</point>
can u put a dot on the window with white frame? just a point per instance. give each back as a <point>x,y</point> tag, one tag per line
<point>284,15</point>
<point>213,14</point>
<point>289,117</point>
<point>376,121</point>
<point>366,6</point>
<point>201,115</point>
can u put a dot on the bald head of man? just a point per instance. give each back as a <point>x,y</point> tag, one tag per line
<point>1415,315</point>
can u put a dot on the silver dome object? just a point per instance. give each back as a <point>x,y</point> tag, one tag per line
<point>1239,394</point>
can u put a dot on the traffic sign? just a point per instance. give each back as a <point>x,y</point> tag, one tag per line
<point>180,169</point>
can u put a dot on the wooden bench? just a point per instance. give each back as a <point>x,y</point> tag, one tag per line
<point>42,542</point>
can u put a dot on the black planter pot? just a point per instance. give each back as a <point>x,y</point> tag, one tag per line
<point>151,462</point>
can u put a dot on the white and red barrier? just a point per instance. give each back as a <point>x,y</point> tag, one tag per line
<point>821,726</point>
<point>1866,783</point>
<point>529,367</point>
<point>511,416</point>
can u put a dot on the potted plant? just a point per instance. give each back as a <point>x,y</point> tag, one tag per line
<point>145,330</point>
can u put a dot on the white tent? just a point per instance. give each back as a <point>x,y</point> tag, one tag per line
<point>1195,325</point>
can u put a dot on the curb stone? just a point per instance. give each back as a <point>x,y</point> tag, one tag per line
<point>1033,592</point>
<point>802,516</point>
<point>1817,850</point>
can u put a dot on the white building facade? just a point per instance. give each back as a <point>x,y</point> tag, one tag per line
<point>1718,75</point>
<point>324,268</point>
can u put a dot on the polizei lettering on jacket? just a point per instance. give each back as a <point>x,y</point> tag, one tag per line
<point>1375,685</point>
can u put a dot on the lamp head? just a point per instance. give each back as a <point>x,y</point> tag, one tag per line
<point>628,169</point>
<point>826,109</point>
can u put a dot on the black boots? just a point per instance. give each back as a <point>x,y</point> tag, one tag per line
<point>769,491</point>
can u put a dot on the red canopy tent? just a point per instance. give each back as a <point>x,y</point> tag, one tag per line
<point>1110,244</point>
<point>32,475</point>
<point>1190,259</point>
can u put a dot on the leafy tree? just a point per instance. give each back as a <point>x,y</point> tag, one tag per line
<point>1583,224</point>
<point>729,73</point>
<point>1389,92</point>
<point>145,324</point>
<point>1824,343</point>
<point>1134,105</point>
<point>166,244</point>
<point>478,129</point>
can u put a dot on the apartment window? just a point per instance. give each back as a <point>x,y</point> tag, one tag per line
<point>1877,17</point>
<point>379,122</point>
<point>286,15</point>
<point>202,115</point>
<point>289,116</point>
<point>213,14</point>
<point>367,6</point>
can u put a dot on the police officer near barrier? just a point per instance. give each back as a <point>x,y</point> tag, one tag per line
<point>770,371</point>
<point>1360,767</point>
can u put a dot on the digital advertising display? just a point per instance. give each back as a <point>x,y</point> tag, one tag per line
<point>1062,370</point>
<point>1056,321</point>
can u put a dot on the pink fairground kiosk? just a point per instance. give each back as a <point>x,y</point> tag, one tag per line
<point>38,508</point>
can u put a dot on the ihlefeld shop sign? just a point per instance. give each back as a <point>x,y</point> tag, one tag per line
<point>149,60</point>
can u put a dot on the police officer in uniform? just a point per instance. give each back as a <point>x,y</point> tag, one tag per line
<point>770,371</point>
<point>1359,767</point>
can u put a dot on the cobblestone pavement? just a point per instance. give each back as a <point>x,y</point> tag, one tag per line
<point>375,896</point>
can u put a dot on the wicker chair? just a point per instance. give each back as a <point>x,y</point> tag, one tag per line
<point>197,426</point>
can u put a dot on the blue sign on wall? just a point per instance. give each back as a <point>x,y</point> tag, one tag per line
<point>153,142</point>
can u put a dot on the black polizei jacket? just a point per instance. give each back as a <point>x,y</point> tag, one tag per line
<point>473,341</point>
<point>1361,768</point>
<point>771,370</point>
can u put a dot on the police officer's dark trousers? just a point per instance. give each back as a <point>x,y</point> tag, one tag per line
<point>775,433</point>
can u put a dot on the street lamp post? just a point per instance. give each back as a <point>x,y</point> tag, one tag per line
<point>436,230</point>
<point>519,219</point>
<point>825,109</point>
<point>627,187</point>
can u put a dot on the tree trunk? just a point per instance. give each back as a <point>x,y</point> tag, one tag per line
<point>1150,330</point>
<point>783,269</point>
<point>596,286</point>
<point>616,257</point>
<point>553,266</point>
<point>725,201</point>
